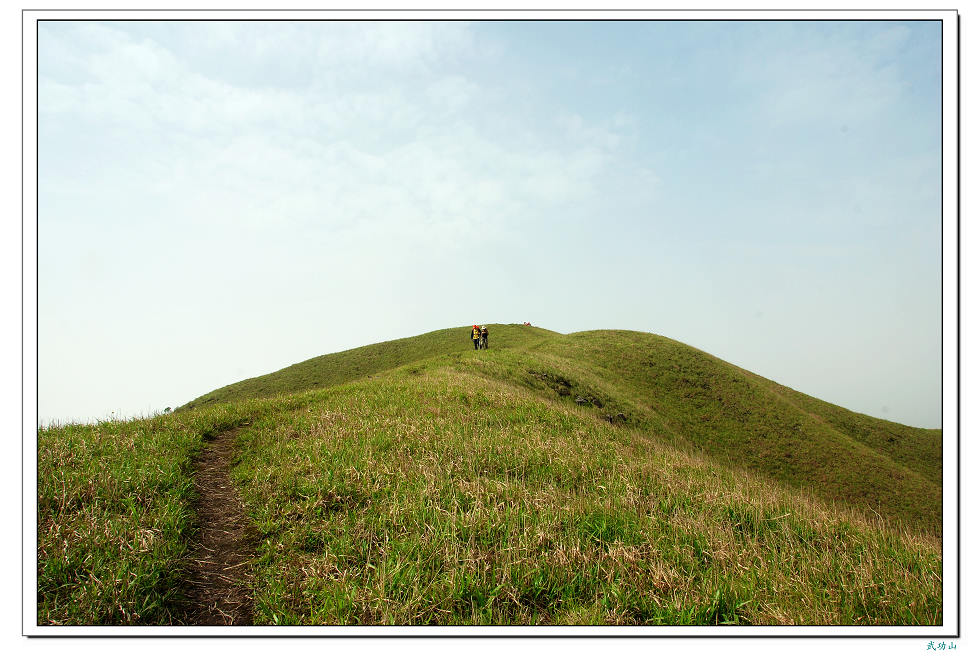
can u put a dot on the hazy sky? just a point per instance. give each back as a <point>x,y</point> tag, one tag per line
<point>218,200</point>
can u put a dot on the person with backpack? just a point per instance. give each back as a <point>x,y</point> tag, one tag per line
<point>484,337</point>
<point>476,337</point>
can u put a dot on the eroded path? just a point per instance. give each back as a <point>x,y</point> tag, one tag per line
<point>217,585</point>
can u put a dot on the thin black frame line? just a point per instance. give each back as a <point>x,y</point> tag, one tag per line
<point>500,636</point>
<point>959,321</point>
<point>500,10</point>
<point>23,555</point>
<point>488,20</point>
<point>505,636</point>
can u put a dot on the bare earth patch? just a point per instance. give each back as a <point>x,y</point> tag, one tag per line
<point>217,582</point>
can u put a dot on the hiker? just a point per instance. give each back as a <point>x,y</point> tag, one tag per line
<point>476,337</point>
<point>484,337</point>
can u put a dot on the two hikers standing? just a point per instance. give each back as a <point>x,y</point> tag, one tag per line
<point>480,337</point>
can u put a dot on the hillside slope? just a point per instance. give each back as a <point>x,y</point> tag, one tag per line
<point>336,368</point>
<point>755,423</point>
<point>678,394</point>
<point>607,477</point>
<point>442,495</point>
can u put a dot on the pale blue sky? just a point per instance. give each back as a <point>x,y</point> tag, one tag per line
<point>218,200</point>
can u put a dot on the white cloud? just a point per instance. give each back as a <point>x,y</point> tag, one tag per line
<point>209,186</point>
<point>600,135</point>
<point>417,162</point>
<point>401,46</point>
<point>451,93</point>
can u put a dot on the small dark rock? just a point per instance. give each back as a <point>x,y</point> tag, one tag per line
<point>608,418</point>
<point>620,415</point>
<point>580,400</point>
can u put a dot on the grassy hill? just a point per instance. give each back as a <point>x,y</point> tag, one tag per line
<point>336,368</point>
<point>682,395</point>
<point>607,477</point>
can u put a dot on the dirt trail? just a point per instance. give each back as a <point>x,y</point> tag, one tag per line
<point>217,582</point>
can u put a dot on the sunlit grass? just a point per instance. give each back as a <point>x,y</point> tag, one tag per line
<point>448,500</point>
<point>115,514</point>
<point>595,478</point>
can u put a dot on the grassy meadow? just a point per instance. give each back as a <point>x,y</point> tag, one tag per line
<point>604,478</point>
<point>115,513</point>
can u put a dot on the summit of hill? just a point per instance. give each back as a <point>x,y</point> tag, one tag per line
<point>670,391</point>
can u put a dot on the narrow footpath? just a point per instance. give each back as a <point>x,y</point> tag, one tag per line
<point>217,584</point>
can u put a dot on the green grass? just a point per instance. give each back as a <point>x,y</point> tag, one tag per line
<point>744,420</point>
<point>115,515</point>
<point>446,499</point>
<point>608,477</point>
<point>336,368</point>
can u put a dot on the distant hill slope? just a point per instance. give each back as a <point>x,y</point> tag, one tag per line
<point>671,391</point>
